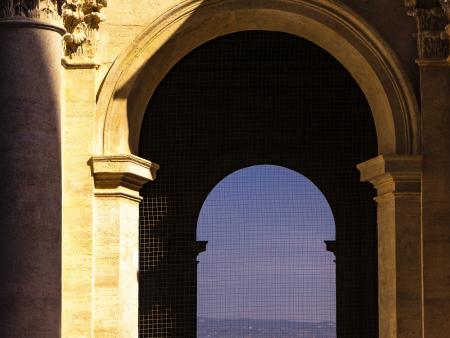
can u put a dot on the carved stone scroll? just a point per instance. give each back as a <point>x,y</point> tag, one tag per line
<point>432,18</point>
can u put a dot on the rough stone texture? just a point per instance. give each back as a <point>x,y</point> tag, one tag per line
<point>435,89</point>
<point>30,166</point>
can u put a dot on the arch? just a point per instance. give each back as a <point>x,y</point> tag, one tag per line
<point>261,222</point>
<point>180,29</point>
<point>268,114</point>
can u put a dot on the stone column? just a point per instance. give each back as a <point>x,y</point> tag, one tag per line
<point>30,178</point>
<point>116,243</point>
<point>398,182</point>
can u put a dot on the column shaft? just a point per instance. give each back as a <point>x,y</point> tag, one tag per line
<point>30,178</point>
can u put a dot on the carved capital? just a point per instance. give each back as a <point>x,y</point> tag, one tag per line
<point>445,4</point>
<point>81,19</point>
<point>432,19</point>
<point>121,175</point>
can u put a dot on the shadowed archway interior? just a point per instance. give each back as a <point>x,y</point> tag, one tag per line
<point>245,99</point>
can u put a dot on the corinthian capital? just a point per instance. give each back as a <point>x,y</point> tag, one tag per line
<point>81,18</point>
<point>445,4</point>
<point>432,19</point>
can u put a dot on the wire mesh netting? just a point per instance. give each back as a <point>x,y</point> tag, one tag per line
<point>245,100</point>
<point>266,271</point>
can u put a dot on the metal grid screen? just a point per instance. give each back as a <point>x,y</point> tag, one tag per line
<point>276,103</point>
<point>266,271</point>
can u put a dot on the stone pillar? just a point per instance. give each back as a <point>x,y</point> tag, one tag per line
<point>116,243</point>
<point>433,44</point>
<point>435,92</point>
<point>398,182</point>
<point>30,178</point>
<point>78,198</point>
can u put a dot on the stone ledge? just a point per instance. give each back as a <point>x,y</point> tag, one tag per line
<point>433,63</point>
<point>121,175</point>
<point>70,64</point>
<point>400,174</point>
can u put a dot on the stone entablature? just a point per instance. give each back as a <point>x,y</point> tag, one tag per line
<point>80,18</point>
<point>433,28</point>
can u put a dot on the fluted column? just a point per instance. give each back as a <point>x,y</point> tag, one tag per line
<point>398,182</point>
<point>30,178</point>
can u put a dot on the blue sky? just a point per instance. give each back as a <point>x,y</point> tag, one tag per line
<point>266,258</point>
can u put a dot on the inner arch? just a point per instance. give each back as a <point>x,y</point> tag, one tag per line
<point>266,268</point>
<point>244,99</point>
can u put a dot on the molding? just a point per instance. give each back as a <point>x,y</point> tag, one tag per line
<point>121,176</point>
<point>72,64</point>
<point>333,247</point>
<point>27,23</point>
<point>199,247</point>
<point>433,63</point>
<point>398,174</point>
<point>433,28</point>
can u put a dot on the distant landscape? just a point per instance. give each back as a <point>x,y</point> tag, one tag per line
<point>240,328</point>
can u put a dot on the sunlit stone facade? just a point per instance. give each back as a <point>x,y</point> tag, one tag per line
<point>75,80</point>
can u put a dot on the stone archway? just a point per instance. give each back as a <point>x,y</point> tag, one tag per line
<point>119,174</point>
<point>122,101</point>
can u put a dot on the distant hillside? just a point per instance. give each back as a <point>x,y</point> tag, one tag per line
<point>250,328</point>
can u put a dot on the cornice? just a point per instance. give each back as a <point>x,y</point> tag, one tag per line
<point>79,64</point>
<point>121,175</point>
<point>399,174</point>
